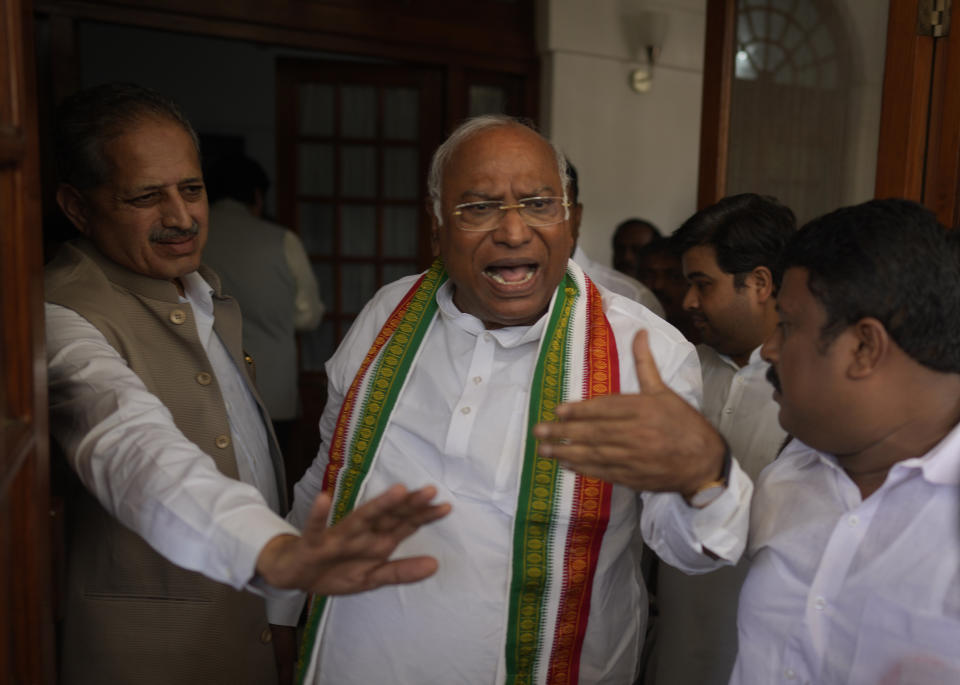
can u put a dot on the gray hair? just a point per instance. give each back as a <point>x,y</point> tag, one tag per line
<point>90,118</point>
<point>469,128</point>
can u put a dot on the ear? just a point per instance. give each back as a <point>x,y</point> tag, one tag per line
<point>872,343</point>
<point>576,213</point>
<point>434,231</point>
<point>762,283</point>
<point>74,205</point>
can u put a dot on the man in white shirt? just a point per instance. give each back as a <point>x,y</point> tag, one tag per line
<point>151,401</point>
<point>729,252</point>
<point>442,378</point>
<point>611,279</point>
<point>265,267</point>
<point>855,529</point>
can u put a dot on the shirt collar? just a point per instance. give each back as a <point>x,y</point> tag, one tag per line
<point>940,465</point>
<point>197,292</point>
<point>509,336</point>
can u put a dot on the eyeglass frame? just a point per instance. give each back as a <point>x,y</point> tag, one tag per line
<point>564,202</point>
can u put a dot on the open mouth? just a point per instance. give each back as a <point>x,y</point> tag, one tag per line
<point>511,274</point>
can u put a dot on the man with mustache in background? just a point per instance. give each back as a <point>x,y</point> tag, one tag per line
<point>729,253</point>
<point>153,403</point>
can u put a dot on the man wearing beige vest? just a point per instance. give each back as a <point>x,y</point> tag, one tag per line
<point>179,528</point>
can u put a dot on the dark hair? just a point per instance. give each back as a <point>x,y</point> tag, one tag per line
<point>573,182</point>
<point>657,235</point>
<point>238,177</point>
<point>90,118</point>
<point>889,260</point>
<point>745,231</point>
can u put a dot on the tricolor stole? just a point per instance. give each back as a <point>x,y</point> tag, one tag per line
<point>554,560</point>
<point>561,516</point>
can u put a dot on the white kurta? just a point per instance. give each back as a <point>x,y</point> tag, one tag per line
<point>846,590</point>
<point>459,424</point>
<point>124,445</point>
<point>696,636</point>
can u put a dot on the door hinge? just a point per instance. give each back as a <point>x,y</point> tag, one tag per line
<point>933,18</point>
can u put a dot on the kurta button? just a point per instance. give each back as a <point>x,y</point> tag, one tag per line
<point>222,441</point>
<point>266,636</point>
<point>178,316</point>
<point>204,378</point>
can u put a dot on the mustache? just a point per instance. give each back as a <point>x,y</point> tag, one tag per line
<point>168,233</point>
<point>774,379</point>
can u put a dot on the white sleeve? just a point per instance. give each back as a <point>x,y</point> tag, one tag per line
<point>123,444</point>
<point>308,307</point>
<point>677,532</point>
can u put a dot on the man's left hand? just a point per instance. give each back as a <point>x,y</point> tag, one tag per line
<point>648,441</point>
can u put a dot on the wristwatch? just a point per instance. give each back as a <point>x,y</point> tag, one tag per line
<point>711,490</point>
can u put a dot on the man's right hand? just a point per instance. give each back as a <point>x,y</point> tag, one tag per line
<point>353,555</point>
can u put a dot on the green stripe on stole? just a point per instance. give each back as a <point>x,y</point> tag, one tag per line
<point>533,533</point>
<point>393,361</point>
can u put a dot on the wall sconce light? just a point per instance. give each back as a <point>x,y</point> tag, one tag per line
<point>644,31</point>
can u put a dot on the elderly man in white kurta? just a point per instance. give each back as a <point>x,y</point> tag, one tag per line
<point>456,377</point>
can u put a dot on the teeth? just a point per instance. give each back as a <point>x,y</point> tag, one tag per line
<point>494,275</point>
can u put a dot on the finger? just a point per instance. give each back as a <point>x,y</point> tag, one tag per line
<point>408,570</point>
<point>624,429</point>
<point>390,500</point>
<point>647,374</point>
<point>316,524</point>
<point>599,408</point>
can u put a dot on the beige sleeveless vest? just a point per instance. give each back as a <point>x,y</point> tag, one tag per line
<point>130,615</point>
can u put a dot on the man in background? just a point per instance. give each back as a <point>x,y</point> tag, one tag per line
<point>661,271</point>
<point>264,266</point>
<point>602,275</point>
<point>629,237</point>
<point>730,252</point>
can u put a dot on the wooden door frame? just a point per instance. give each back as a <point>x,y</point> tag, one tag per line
<point>26,635</point>
<point>918,151</point>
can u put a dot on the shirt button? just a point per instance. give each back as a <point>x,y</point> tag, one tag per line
<point>204,378</point>
<point>853,520</point>
<point>820,604</point>
<point>465,411</point>
<point>478,379</point>
<point>487,337</point>
<point>266,636</point>
<point>178,316</point>
<point>790,674</point>
<point>728,410</point>
<point>222,441</point>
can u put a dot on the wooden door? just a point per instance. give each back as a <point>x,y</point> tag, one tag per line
<point>918,148</point>
<point>26,634</point>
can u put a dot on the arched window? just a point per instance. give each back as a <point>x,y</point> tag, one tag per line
<point>788,42</point>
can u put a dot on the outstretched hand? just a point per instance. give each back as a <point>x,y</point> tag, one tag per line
<point>648,441</point>
<point>353,555</point>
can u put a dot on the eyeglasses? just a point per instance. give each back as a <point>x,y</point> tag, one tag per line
<point>534,211</point>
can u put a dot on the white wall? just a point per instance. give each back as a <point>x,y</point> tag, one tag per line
<point>637,154</point>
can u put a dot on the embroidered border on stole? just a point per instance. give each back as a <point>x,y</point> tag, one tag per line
<point>552,581</point>
<point>360,427</point>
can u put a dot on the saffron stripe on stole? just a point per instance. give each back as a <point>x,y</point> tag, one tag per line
<point>591,508</point>
<point>362,426</point>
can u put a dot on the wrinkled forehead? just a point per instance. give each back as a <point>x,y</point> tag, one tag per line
<point>508,158</point>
